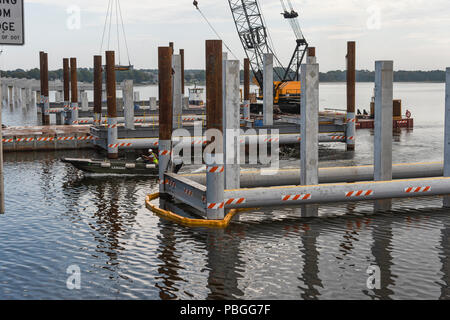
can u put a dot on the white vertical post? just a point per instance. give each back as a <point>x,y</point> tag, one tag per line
<point>177,95</point>
<point>309,131</point>
<point>11,98</point>
<point>23,97</point>
<point>84,101</point>
<point>165,154</point>
<point>136,97</point>
<point>231,124</point>
<point>384,78</point>
<point>127,93</point>
<point>152,103</point>
<point>447,133</point>
<point>268,89</point>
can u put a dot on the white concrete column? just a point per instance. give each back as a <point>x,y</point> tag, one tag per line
<point>384,77</point>
<point>152,103</point>
<point>309,124</point>
<point>23,97</point>
<point>177,95</point>
<point>268,89</point>
<point>231,124</point>
<point>165,153</point>
<point>10,96</point>
<point>215,185</point>
<point>185,103</point>
<point>57,97</point>
<point>74,113</point>
<point>84,101</point>
<point>447,133</point>
<point>309,131</point>
<point>127,93</point>
<point>113,147</point>
<point>136,97</point>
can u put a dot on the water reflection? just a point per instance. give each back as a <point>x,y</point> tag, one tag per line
<point>381,249</point>
<point>445,260</point>
<point>310,272</point>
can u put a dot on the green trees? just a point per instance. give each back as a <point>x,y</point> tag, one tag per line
<point>150,76</point>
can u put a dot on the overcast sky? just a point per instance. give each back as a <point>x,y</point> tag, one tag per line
<point>413,33</point>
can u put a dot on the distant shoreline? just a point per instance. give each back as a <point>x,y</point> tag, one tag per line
<point>192,76</point>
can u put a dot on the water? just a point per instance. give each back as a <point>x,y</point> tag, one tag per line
<point>56,217</point>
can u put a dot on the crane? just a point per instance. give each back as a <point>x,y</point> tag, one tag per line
<point>256,41</point>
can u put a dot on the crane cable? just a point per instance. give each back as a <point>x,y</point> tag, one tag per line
<point>109,17</point>
<point>214,30</point>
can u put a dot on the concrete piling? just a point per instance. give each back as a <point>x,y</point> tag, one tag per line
<point>447,133</point>
<point>309,130</point>
<point>136,97</point>
<point>214,118</point>
<point>268,89</point>
<point>11,98</point>
<point>98,86</point>
<point>152,103</point>
<point>127,93</point>
<point>74,91</point>
<point>177,92</point>
<point>113,148</point>
<point>165,83</point>
<point>84,101</point>
<point>384,76</point>
<point>351,78</point>
<point>231,124</point>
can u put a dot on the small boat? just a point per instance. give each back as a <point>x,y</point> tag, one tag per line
<point>121,166</point>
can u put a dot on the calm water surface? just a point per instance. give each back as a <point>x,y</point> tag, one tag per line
<point>57,217</point>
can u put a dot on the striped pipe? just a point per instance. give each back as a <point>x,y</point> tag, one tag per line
<point>359,193</point>
<point>340,192</point>
<point>296,197</point>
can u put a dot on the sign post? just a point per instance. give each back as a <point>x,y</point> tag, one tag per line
<point>12,33</point>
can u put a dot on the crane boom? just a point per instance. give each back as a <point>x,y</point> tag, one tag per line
<point>253,35</point>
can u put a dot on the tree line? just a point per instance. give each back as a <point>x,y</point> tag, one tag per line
<point>150,76</point>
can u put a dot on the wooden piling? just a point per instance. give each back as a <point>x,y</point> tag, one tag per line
<point>113,151</point>
<point>246,79</point>
<point>44,88</point>
<point>182,71</point>
<point>165,77</point>
<point>66,73</point>
<point>73,82</point>
<point>98,90</point>
<point>74,91</point>
<point>215,181</point>
<point>214,114</point>
<point>351,78</point>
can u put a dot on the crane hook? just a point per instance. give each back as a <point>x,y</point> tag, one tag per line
<point>195,3</point>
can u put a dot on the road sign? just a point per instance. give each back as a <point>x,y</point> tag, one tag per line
<point>11,23</point>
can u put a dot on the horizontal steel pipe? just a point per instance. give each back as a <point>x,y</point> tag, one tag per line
<point>289,177</point>
<point>331,193</point>
<point>190,141</point>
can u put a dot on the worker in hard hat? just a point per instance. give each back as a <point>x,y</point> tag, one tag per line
<point>151,158</point>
